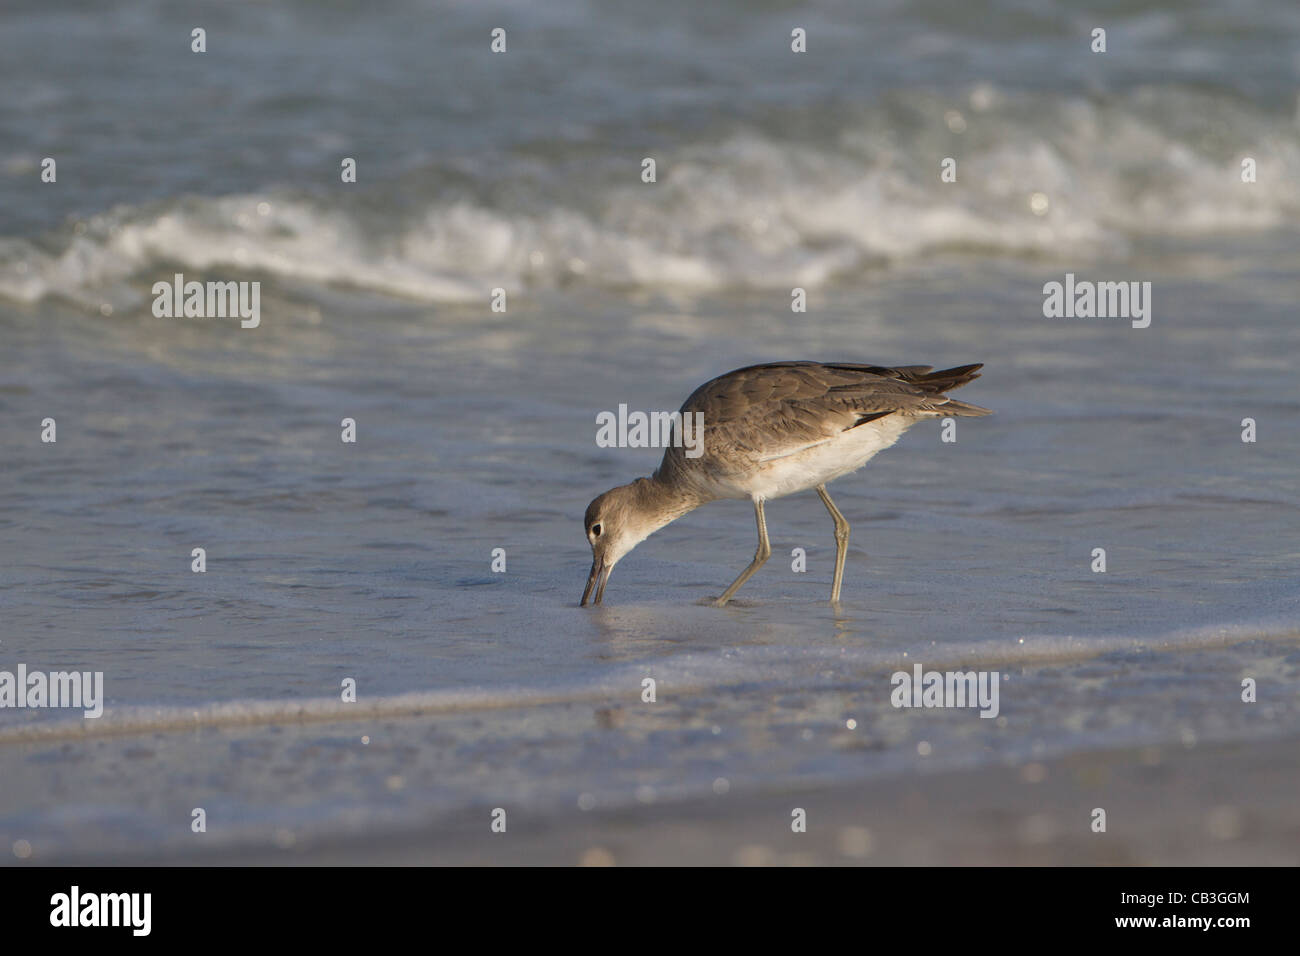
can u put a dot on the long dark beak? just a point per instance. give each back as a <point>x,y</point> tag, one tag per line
<point>597,578</point>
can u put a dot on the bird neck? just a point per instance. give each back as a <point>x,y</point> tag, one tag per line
<point>660,502</point>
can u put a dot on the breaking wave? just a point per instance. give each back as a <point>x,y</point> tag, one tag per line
<point>752,207</point>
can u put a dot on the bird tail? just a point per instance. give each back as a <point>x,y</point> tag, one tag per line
<point>944,381</point>
<point>954,407</point>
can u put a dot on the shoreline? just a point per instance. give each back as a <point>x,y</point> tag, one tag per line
<point>1215,805</point>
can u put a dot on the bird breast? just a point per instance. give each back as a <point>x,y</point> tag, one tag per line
<point>783,472</point>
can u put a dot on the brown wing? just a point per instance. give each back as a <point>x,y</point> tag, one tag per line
<point>769,411</point>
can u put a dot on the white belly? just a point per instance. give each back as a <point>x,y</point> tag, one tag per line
<point>819,464</point>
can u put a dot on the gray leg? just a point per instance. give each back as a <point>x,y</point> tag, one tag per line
<point>762,554</point>
<point>841,542</point>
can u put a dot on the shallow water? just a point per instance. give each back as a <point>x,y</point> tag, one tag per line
<point>476,430</point>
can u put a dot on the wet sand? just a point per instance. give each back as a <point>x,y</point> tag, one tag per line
<point>1219,805</point>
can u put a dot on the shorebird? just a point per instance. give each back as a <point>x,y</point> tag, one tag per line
<point>770,431</point>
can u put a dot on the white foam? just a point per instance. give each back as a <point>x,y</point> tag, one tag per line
<point>749,210</point>
<point>688,673</point>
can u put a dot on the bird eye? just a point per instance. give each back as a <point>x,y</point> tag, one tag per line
<point>595,529</point>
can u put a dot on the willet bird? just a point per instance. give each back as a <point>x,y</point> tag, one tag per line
<point>769,431</point>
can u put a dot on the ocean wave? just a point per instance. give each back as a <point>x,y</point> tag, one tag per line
<point>748,208</point>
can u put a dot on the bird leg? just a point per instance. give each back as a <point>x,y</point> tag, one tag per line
<point>841,542</point>
<point>762,554</point>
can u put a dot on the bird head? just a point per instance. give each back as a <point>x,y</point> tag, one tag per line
<point>616,522</point>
